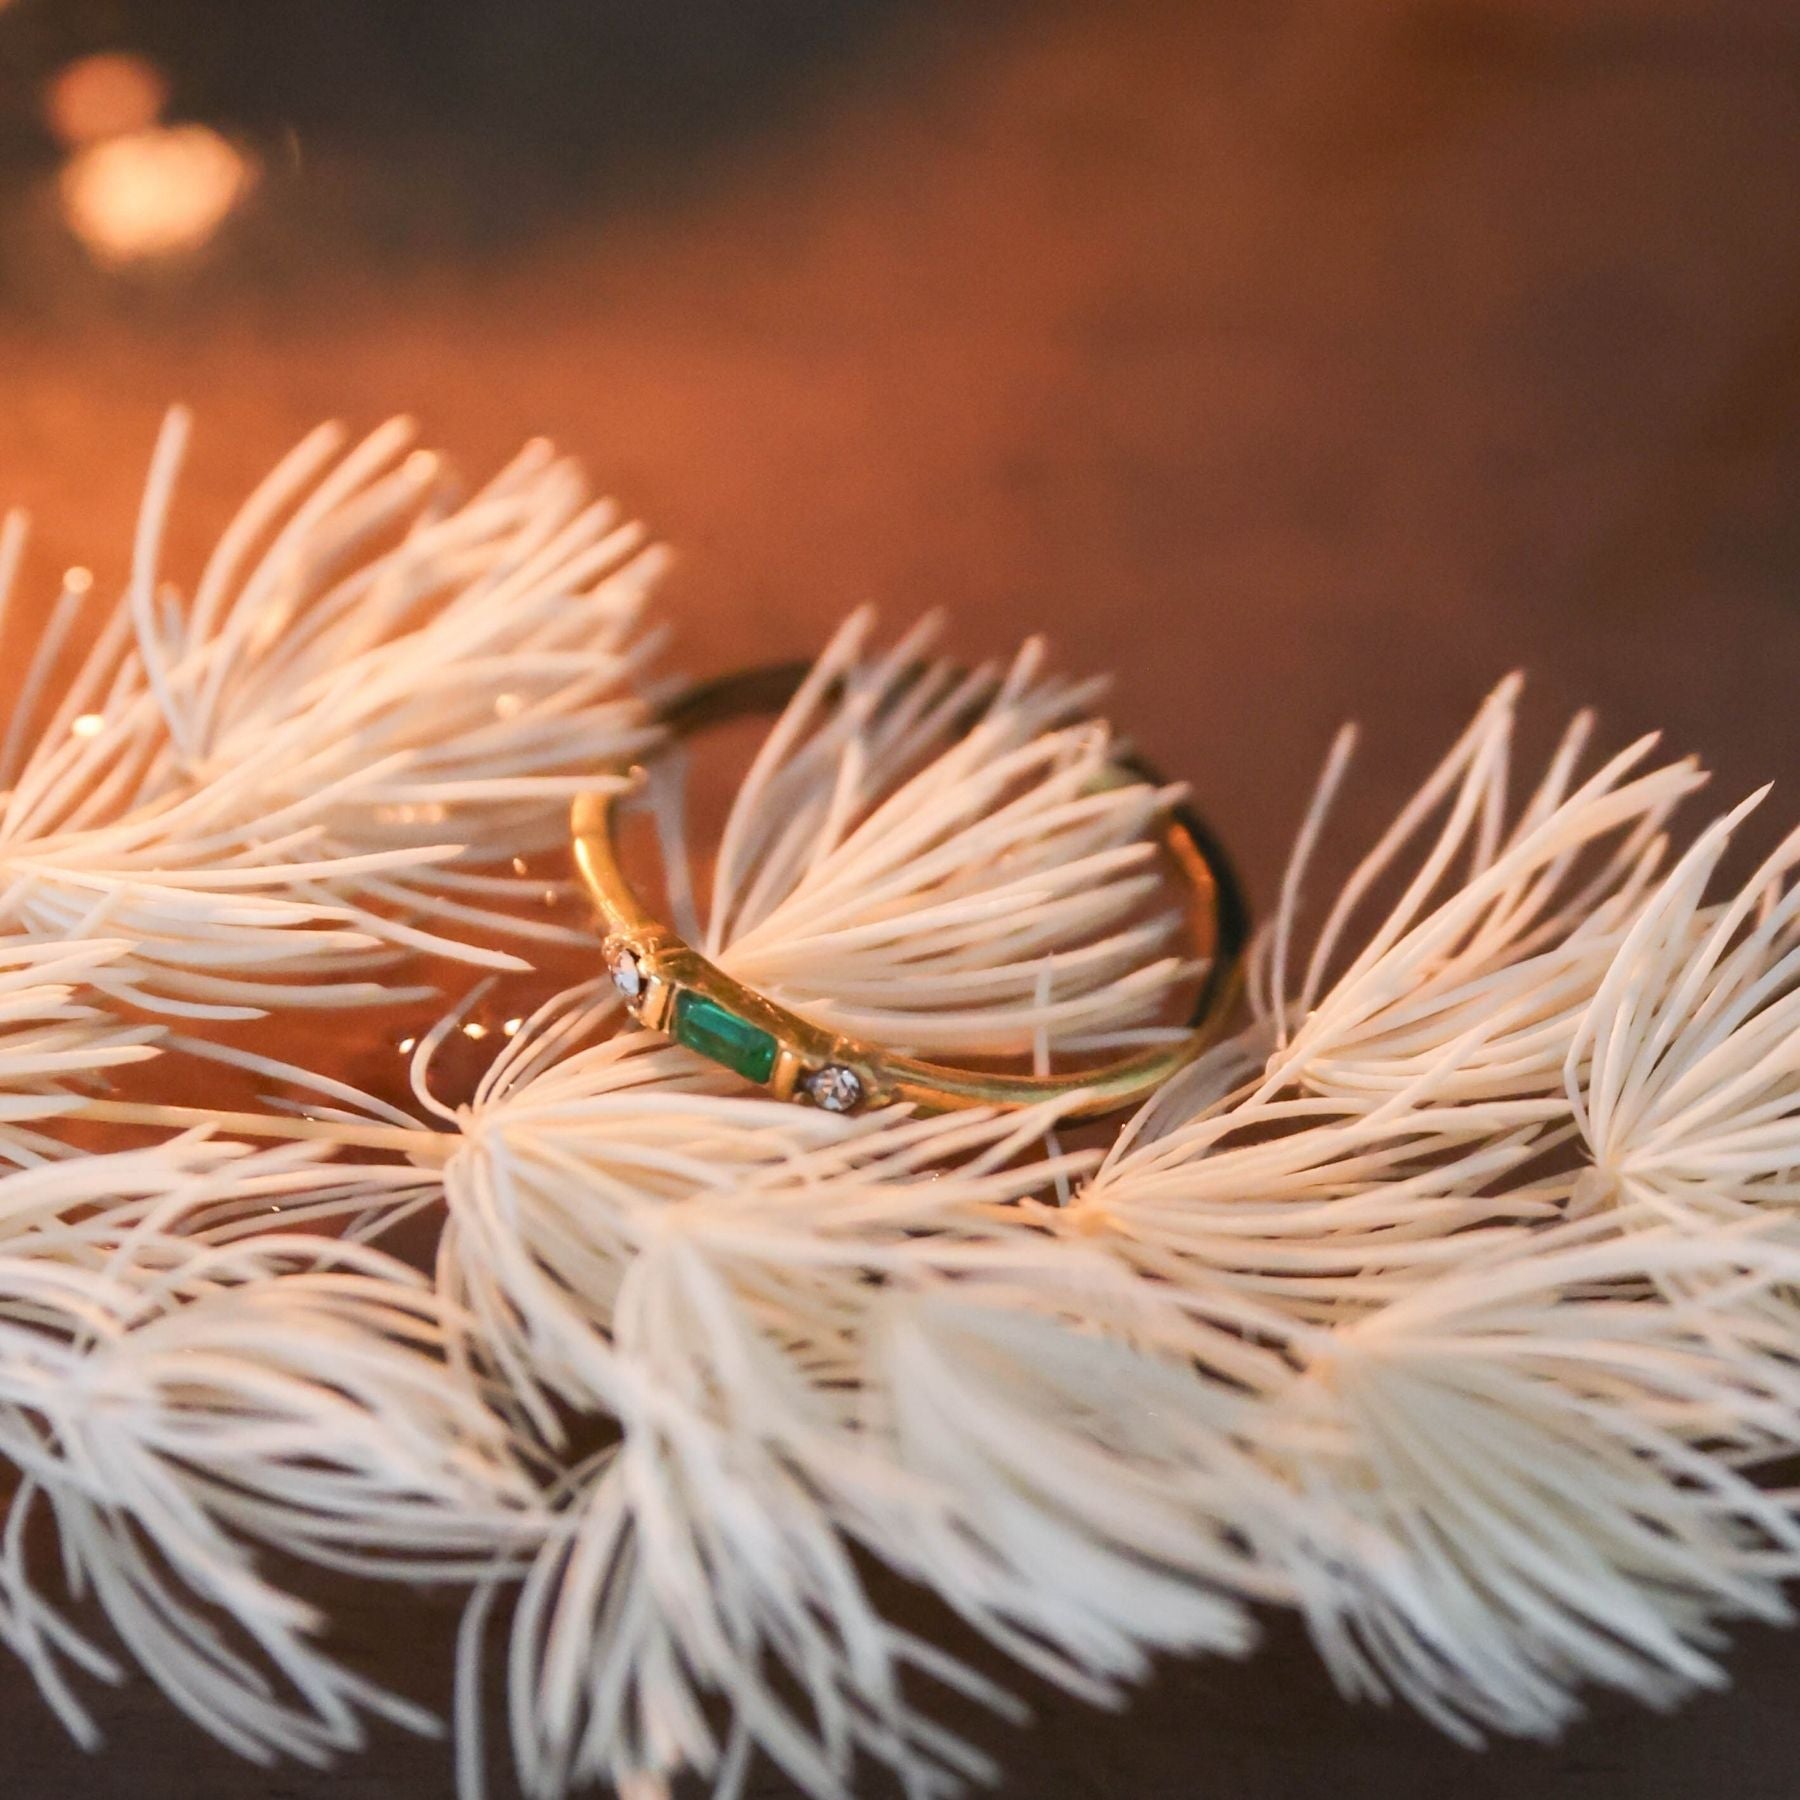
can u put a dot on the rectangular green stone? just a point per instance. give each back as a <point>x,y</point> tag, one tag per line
<point>716,1031</point>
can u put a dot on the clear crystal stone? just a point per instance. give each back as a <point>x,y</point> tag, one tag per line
<point>834,1088</point>
<point>627,970</point>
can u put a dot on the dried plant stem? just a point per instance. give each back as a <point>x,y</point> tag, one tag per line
<point>420,1143</point>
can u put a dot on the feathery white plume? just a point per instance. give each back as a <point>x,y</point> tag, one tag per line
<point>1685,1075</point>
<point>947,862</point>
<point>1412,1100</point>
<point>1527,1477</point>
<point>182,1410</point>
<point>732,1289</point>
<point>628,1244</point>
<point>372,693</point>
<point>1518,1445</point>
<point>1493,945</point>
<point>54,1043</point>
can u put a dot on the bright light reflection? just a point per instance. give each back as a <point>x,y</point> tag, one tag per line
<point>153,193</point>
<point>104,96</point>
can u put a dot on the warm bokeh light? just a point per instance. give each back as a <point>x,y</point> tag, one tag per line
<point>104,96</point>
<point>153,193</point>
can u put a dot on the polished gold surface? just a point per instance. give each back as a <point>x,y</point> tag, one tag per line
<point>673,968</point>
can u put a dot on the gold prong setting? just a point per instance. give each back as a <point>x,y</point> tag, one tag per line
<point>790,1072</point>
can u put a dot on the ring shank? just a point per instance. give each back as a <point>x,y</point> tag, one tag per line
<point>1216,907</point>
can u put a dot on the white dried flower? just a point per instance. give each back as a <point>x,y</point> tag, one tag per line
<point>54,1043</point>
<point>947,862</point>
<point>181,1411</point>
<point>1685,1075</point>
<point>1527,1477</point>
<point>373,696</point>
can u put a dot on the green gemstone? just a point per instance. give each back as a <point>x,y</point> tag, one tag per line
<point>716,1031</point>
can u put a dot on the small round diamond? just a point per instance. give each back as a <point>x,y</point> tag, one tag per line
<point>834,1088</point>
<point>627,969</point>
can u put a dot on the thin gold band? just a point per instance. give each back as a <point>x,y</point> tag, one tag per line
<point>672,988</point>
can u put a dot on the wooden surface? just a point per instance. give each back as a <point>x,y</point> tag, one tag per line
<point>1293,363</point>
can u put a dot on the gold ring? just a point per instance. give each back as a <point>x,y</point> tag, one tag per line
<point>670,987</point>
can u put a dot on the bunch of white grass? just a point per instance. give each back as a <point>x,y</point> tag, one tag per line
<point>374,700</point>
<point>1447,1303</point>
<point>946,860</point>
